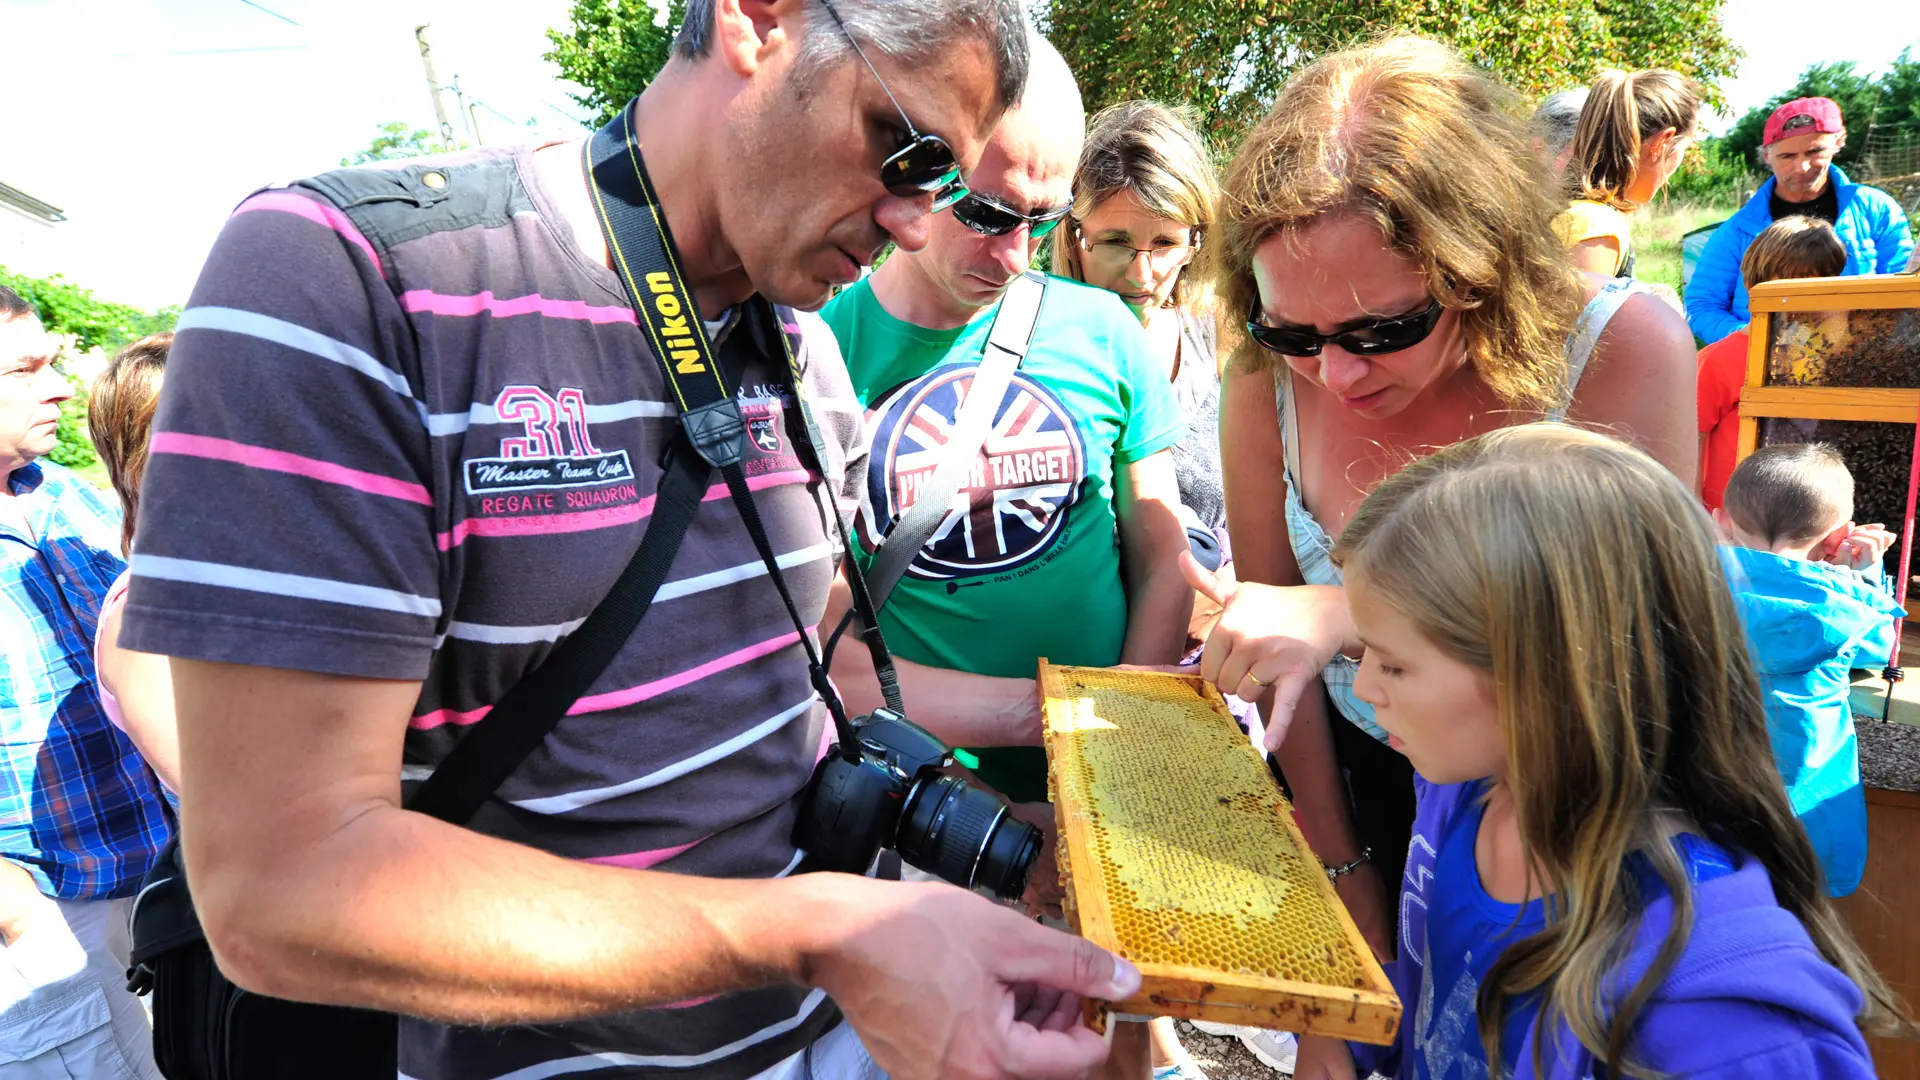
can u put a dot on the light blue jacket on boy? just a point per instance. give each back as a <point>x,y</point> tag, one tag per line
<point>1810,623</point>
<point>1871,226</point>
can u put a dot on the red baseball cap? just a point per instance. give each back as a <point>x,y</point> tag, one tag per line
<point>1803,116</point>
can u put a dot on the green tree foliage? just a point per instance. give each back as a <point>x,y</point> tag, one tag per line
<point>69,309</point>
<point>75,448</point>
<point>1899,106</point>
<point>613,49</point>
<point>1712,173</point>
<point>72,310</point>
<point>396,141</point>
<point>1228,58</point>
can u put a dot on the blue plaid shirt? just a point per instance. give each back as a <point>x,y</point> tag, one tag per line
<point>79,808</point>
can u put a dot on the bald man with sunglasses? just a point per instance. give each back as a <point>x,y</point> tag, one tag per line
<point>1063,542</point>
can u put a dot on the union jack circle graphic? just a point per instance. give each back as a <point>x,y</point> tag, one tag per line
<point>1026,477</point>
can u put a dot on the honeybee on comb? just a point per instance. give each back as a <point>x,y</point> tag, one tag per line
<point>1178,852</point>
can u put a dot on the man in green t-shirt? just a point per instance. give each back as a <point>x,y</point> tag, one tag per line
<point>1064,543</point>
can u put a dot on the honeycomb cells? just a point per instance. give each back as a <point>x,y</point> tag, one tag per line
<point>1185,824</point>
<point>1861,348</point>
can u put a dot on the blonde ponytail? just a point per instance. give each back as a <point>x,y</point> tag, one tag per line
<point>1624,110</point>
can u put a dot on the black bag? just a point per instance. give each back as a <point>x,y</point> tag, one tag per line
<point>206,1028</point>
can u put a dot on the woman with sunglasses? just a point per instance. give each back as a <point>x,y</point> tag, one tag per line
<point>1143,198</point>
<point>1386,236</point>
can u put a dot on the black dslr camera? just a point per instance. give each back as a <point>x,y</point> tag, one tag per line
<point>890,794</point>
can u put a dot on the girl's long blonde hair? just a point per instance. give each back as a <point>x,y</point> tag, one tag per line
<point>1584,577</point>
<point>1436,154</point>
<point>1153,151</point>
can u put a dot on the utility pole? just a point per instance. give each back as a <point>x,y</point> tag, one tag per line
<point>433,86</point>
<point>466,113</point>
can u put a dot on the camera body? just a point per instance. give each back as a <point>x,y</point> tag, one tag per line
<point>892,794</point>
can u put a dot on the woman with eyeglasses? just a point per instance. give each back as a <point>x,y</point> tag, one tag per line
<point>1385,238</point>
<point>1143,199</point>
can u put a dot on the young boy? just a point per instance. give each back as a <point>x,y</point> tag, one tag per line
<point>1793,247</point>
<point>1807,580</point>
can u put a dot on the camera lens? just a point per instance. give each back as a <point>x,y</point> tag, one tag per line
<point>966,837</point>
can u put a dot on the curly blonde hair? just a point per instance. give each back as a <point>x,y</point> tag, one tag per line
<point>1435,153</point>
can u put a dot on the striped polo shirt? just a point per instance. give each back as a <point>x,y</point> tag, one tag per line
<point>430,460</point>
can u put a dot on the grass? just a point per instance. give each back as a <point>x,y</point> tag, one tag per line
<point>1657,230</point>
<point>96,474</point>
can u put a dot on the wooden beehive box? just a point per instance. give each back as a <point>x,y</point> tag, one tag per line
<point>1178,852</point>
<point>1833,359</point>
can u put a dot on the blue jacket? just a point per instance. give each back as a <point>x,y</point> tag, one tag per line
<point>1872,227</point>
<point>1809,624</point>
<point>1750,999</point>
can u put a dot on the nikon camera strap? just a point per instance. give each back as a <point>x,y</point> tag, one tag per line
<point>713,437</point>
<point>648,264</point>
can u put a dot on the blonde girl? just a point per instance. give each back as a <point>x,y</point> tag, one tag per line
<point>1606,872</point>
<point>136,688</point>
<point>1632,136</point>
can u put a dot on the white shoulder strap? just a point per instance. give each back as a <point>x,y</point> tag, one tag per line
<point>1007,343</point>
<point>1586,333</point>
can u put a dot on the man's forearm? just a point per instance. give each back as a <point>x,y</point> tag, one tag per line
<point>958,707</point>
<point>1159,607</point>
<point>399,912</point>
<point>1159,600</point>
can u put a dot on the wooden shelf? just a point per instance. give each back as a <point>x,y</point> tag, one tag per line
<point>1887,406</point>
<point>1864,293</point>
<point>1880,913</point>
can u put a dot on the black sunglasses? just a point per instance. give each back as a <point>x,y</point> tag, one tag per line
<point>925,164</point>
<point>1370,338</point>
<point>989,217</point>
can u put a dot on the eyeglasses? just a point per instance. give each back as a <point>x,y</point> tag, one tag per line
<point>925,165</point>
<point>1113,257</point>
<point>990,217</point>
<point>1369,338</point>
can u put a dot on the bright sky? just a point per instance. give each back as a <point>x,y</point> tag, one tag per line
<point>1782,37</point>
<point>147,120</point>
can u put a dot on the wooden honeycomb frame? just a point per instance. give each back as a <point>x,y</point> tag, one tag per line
<point>1201,985</point>
<point>1768,300</point>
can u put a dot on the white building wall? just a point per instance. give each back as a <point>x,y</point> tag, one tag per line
<point>29,245</point>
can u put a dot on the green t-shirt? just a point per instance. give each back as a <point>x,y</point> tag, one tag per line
<point>1033,569</point>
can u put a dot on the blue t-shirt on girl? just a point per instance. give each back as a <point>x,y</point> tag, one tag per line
<point>1467,930</point>
<point>1750,998</point>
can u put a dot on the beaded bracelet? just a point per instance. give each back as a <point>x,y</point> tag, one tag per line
<point>1335,873</point>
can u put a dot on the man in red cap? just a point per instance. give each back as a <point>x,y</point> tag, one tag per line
<point>1800,140</point>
